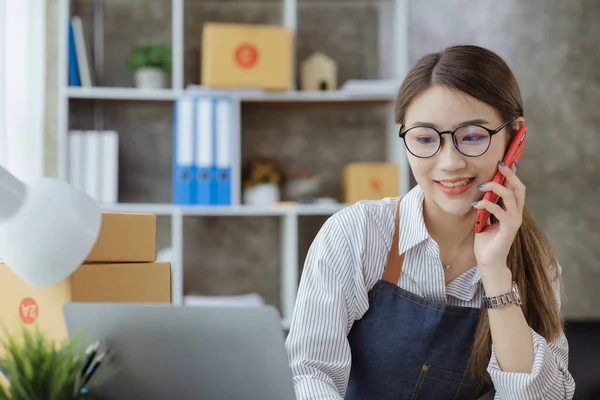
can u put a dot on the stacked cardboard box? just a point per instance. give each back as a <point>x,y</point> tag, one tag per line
<point>246,56</point>
<point>121,267</point>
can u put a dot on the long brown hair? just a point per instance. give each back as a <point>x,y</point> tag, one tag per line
<point>485,76</point>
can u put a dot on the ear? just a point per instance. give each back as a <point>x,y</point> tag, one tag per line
<point>519,122</point>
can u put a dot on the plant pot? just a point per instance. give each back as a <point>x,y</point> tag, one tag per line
<point>150,78</point>
<point>263,194</point>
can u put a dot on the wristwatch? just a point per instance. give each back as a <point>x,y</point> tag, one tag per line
<point>512,297</point>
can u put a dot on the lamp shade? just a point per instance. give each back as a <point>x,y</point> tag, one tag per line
<point>47,228</point>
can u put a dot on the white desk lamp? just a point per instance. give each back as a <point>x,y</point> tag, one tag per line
<point>47,228</point>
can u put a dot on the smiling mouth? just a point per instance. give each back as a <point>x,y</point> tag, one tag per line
<point>453,184</point>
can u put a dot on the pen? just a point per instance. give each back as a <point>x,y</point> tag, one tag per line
<point>88,356</point>
<point>95,364</point>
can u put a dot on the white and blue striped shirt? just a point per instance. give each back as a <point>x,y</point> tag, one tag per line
<point>347,258</point>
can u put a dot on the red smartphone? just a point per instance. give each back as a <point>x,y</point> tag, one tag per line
<point>512,154</point>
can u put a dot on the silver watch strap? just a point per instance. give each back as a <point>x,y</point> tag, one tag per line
<point>502,300</point>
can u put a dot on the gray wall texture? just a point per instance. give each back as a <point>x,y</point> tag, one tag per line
<point>552,49</point>
<point>549,44</point>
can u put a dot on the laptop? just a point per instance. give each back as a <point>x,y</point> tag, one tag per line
<point>163,351</point>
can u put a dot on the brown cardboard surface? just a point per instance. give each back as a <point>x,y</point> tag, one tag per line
<point>125,237</point>
<point>246,55</point>
<point>23,305</point>
<point>139,283</point>
<point>369,181</point>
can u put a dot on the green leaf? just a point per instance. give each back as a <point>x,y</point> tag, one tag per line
<point>152,55</point>
<point>38,368</point>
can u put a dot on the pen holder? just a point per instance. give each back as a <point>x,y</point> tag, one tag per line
<point>36,367</point>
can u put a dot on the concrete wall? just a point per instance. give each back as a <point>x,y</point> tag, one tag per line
<point>550,45</point>
<point>552,48</point>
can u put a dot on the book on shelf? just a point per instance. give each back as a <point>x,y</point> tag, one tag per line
<point>202,150</point>
<point>79,66</point>
<point>94,164</point>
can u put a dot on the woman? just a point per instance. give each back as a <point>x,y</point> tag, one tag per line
<point>398,297</point>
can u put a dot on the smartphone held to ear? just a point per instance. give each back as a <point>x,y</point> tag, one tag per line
<point>512,154</point>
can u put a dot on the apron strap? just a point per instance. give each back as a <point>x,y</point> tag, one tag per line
<point>393,266</point>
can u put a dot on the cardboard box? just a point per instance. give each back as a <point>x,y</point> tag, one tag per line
<point>21,304</point>
<point>125,237</point>
<point>369,181</point>
<point>246,56</point>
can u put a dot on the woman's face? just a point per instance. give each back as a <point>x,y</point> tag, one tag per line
<point>449,179</point>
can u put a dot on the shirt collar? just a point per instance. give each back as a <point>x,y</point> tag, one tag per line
<point>412,225</point>
<point>413,230</point>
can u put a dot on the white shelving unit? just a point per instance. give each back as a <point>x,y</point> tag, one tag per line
<point>394,44</point>
<point>260,97</point>
<point>223,211</point>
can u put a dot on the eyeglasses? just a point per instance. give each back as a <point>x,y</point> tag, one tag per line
<point>469,140</point>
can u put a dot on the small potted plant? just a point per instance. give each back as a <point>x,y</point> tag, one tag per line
<point>34,367</point>
<point>150,64</point>
<point>262,179</point>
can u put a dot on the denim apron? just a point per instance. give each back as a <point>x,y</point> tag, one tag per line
<point>408,347</point>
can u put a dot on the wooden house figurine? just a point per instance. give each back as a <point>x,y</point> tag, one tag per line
<point>318,72</point>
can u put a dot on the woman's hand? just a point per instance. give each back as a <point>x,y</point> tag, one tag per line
<point>493,243</point>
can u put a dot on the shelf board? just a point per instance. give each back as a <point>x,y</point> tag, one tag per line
<point>231,211</point>
<point>319,209</point>
<point>334,96</point>
<point>215,211</point>
<point>133,94</point>
<point>152,208</point>
<point>109,93</point>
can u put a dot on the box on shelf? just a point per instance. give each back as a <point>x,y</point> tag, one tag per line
<point>21,304</point>
<point>120,268</point>
<point>369,181</point>
<point>125,237</point>
<point>246,56</point>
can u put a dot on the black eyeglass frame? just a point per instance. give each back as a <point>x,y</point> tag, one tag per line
<point>492,132</point>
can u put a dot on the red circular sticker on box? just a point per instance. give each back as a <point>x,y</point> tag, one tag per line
<point>375,185</point>
<point>28,310</point>
<point>246,55</point>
